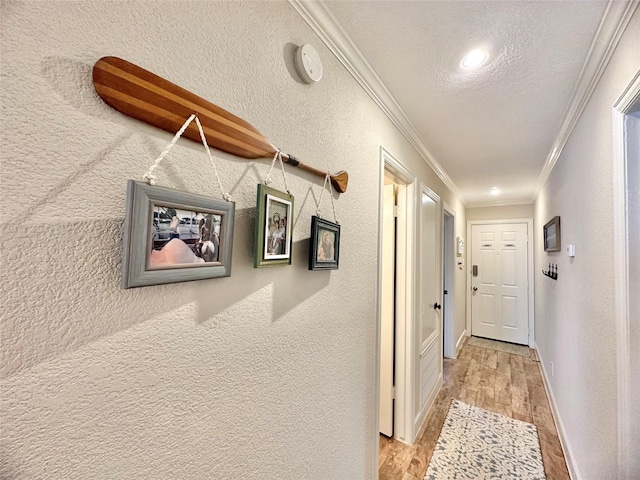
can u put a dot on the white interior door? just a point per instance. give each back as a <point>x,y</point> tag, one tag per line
<point>499,281</point>
<point>429,344</point>
<point>429,270</point>
<point>387,337</point>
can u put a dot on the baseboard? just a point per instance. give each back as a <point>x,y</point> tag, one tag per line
<point>419,425</point>
<point>574,473</point>
<point>460,342</point>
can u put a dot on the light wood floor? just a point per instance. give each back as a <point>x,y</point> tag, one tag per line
<point>504,383</point>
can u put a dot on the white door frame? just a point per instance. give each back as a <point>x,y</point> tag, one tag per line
<point>530,266</point>
<point>626,344</point>
<point>448,265</point>
<point>405,297</point>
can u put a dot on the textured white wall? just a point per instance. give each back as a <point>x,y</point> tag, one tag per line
<point>266,374</point>
<point>575,327</point>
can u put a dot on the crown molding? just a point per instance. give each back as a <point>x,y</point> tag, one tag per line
<point>324,24</point>
<point>614,21</point>
<point>500,203</point>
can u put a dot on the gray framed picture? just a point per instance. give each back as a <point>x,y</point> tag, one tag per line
<point>274,223</point>
<point>324,250</point>
<point>172,236</point>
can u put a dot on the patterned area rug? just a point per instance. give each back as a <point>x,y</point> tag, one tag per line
<point>476,444</point>
<point>500,346</point>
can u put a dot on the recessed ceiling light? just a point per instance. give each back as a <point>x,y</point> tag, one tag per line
<point>474,59</point>
<point>495,190</point>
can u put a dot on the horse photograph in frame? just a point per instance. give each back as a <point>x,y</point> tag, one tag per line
<point>172,236</point>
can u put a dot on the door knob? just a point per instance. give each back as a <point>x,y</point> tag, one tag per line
<point>436,306</point>
<point>475,289</point>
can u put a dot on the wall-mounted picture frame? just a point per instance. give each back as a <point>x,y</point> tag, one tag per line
<point>552,235</point>
<point>324,251</point>
<point>172,236</point>
<point>274,221</point>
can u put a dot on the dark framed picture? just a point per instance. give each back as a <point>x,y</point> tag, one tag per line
<point>552,235</point>
<point>324,250</point>
<point>274,222</point>
<point>172,236</point>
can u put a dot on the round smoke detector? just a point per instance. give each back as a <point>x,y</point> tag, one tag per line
<point>308,64</point>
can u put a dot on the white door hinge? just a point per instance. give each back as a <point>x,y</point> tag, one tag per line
<point>396,211</point>
<point>393,392</point>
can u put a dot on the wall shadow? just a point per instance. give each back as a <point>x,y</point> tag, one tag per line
<point>68,294</point>
<point>293,284</point>
<point>289,54</point>
<point>73,81</point>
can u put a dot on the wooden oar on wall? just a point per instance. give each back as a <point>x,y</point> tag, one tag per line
<point>145,96</point>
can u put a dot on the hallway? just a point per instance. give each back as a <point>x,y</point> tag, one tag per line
<point>504,383</point>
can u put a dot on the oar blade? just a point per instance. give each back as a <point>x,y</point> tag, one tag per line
<point>340,181</point>
<point>145,96</point>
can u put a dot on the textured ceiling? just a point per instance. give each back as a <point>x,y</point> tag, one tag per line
<point>494,126</point>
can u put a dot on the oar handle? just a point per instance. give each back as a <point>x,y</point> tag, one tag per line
<point>339,180</point>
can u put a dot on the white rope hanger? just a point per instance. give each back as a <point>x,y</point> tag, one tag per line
<point>267,180</point>
<point>327,179</point>
<point>151,179</point>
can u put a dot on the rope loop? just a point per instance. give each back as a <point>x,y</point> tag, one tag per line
<point>225,195</point>
<point>327,179</point>
<point>267,180</point>
<point>150,178</point>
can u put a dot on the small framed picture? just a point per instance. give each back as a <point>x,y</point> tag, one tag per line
<point>324,250</point>
<point>552,235</point>
<point>273,227</point>
<point>172,236</point>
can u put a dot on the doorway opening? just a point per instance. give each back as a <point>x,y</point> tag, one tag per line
<point>626,191</point>
<point>448,275</point>
<point>396,298</point>
<point>388,306</point>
